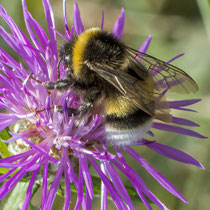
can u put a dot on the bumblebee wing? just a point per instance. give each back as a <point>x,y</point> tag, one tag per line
<point>140,93</point>
<point>165,75</point>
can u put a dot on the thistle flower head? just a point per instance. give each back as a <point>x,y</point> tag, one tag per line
<point>50,137</point>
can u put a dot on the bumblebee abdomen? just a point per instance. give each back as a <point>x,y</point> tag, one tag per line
<point>127,129</point>
<point>125,123</point>
<point>117,105</point>
<point>128,121</point>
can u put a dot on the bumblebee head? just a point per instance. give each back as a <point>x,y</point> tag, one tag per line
<point>66,53</point>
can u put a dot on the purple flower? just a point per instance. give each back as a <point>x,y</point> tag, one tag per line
<point>52,138</point>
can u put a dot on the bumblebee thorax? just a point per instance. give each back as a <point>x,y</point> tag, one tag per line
<point>97,46</point>
<point>79,49</point>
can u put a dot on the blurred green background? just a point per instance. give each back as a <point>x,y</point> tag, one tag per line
<point>176,26</point>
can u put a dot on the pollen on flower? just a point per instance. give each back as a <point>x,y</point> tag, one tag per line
<point>56,153</point>
<point>17,147</point>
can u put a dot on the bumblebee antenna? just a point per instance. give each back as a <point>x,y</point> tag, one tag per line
<point>58,66</point>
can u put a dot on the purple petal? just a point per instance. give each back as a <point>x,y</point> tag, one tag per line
<point>116,199</point>
<point>103,191</point>
<point>21,49</point>
<point>53,188</point>
<point>102,20</point>
<point>118,184</point>
<point>60,34</point>
<point>67,189</point>
<point>51,25</point>
<point>184,109</point>
<point>41,150</point>
<point>44,185</point>
<point>80,195</point>
<point>6,123</point>
<point>78,26</point>
<point>183,103</point>
<point>19,164</point>
<point>36,165</point>
<point>7,119</point>
<point>172,153</point>
<point>72,32</point>
<point>145,45</point>
<point>9,38</point>
<point>6,82</point>
<point>175,129</point>
<point>31,22</point>
<point>156,174</point>
<point>14,28</point>
<point>16,74</point>
<point>29,191</point>
<point>137,182</point>
<point>51,63</point>
<point>71,173</point>
<point>119,25</point>
<point>88,204</point>
<point>87,176</point>
<point>10,184</point>
<point>182,121</point>
<point>150,133</point>
<point>176,57</point>
<point>8,60</point>
<point>4,176</point>
<point>17,157</point>
<point>68,33</point>
<point>48,106</point>
<point>158,202</point>
<point>18,41</point>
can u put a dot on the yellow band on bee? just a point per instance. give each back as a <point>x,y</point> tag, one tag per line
<point>79,49</point>
<point>119,106</point>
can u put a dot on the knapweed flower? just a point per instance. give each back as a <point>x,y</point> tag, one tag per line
<point>54,144</point>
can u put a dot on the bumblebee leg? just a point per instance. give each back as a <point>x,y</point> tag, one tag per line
<point>49,85</point>
<point>89,98</point>
<point>80,111</point>
<point>69,110</point>
<point>84,108</point>
<point>61,84</point>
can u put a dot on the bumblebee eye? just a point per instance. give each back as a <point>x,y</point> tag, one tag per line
<point>67,60</point>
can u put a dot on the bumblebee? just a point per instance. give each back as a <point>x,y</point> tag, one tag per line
<point>126,83</point>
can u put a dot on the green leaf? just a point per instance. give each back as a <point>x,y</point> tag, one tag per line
<point>36,187</point>
<point>4,152</point>
<point>4,134</point>
<point>31,207</point>
<point>16,198</point>
<point>3,170</point>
